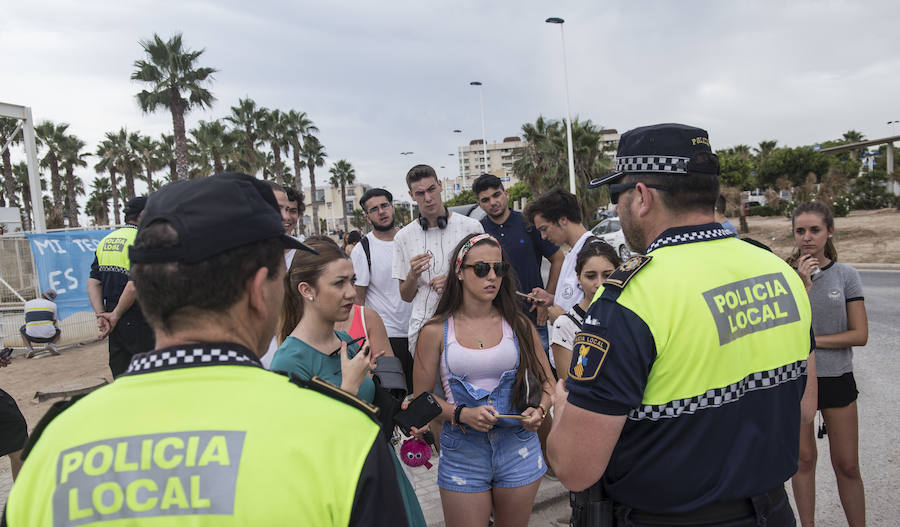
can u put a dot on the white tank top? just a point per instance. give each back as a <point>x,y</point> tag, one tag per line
<point>480,367</point>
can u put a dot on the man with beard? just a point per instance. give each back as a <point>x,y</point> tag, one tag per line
<point>522,243</point>
<point>687,384</point>
<point>372,259</point>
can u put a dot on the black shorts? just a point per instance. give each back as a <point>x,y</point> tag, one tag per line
<point>837,392</point>
<point>38,340</point>
<point>13,429</point>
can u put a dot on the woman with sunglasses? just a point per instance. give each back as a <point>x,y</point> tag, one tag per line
<point>484,350</point>
<point>319,292</point>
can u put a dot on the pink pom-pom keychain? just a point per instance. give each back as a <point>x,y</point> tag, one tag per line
<point>415,452</point>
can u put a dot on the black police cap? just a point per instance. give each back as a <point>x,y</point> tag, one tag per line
<point>666,149</point>
<point>134,206</point>
<point>213,215</point>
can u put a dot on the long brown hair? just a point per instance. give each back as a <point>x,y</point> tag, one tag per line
<point>506,303</point>
<point>823,210</point>
<point>306,267</point>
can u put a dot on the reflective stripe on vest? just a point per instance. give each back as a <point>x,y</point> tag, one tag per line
<point>112,251</point>
<point>739,325</point>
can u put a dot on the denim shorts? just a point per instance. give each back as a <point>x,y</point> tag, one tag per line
<point>476,461</point>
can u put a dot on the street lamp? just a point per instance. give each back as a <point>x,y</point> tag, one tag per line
<point>483,133</point>
<point>560,21</point>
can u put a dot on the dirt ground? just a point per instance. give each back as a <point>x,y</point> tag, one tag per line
<point>866,236</point>
<point>862,237</point>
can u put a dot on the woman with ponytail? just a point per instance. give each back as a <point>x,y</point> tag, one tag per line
<point>319,292</point>
<point>486,352</point>
<point>839,323</point>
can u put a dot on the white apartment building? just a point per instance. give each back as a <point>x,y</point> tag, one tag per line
<point>500,159</point>
<point>328,205</point>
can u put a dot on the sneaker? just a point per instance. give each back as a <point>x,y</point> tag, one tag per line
<point>52,349</point>
<point>30,353</point>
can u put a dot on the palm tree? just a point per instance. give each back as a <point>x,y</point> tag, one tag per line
<point>71,157</point>
<point>275,129</point>
<point>7,127</point>
<point>313,154</point>
<point>51,136</point>
<point>148,151</point>
<point>167,154</point>
<point>110,154</point>
<point>343,174</point>
<point>765,148</point>
<point>98,202</point>
<point>212,143</point>
<point>23,187</point>
<point>300,126</point>
<point>172,74</point>
<point>246,118</point>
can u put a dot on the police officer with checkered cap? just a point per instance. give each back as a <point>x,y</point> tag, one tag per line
<point>196,432</point>
<point>683,401</point>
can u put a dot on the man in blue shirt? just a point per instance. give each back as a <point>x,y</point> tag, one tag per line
<point>522,243</point>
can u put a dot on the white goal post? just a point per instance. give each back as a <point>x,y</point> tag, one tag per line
<point>23,113</point>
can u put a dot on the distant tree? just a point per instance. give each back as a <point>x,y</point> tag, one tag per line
<point>212,144</point>
<point>167,154</point>
<point>97,205</point>
<point>51,135</point>
<point>23,188</point>
<point>7,127</point>
<point>358,219</point>
<point>246,118</point>
<point>275,128</point>
<point>176,83</point>
<point>313,154</point>
<point>736,168</point>
<point>111,153</point>
<point>72,156</point>
<point>765,148</point>
<point>343,174</point>
<point>793,163</point>
<point>149,152</point>
<point>519,191</point>
<point>465,197</point>
<point>299,127</point>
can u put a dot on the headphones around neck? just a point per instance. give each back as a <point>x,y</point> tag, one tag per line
<point>441,220</point>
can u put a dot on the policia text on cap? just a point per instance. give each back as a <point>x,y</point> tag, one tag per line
<point>196,432</point>
<point>685,388</point>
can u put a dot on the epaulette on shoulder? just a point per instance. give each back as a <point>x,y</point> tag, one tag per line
<point>52,413</point>
<point>329,390</point>
<point>625,272</point>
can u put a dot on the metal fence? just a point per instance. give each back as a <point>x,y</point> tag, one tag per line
<point>19,283</point>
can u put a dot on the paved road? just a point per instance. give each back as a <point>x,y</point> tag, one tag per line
<point>877,368</point>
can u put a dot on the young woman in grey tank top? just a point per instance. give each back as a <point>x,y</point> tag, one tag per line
<point>839,322</point>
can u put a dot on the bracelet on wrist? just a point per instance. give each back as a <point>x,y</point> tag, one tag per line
<point>457,413</point>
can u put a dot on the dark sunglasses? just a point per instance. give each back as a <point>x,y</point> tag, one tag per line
<point>483,268</point>
<point>616,189</point>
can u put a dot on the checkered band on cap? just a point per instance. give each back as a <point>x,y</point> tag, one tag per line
<point>717,397</point>
<point>652,164</point>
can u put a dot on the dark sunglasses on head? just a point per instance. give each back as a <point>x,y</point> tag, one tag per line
<point>615,189</point>
<point>483,268</point>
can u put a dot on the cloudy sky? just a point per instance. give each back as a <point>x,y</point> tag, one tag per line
<point>379,78</point>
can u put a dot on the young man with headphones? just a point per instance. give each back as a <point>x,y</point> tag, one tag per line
<point>422,248</point>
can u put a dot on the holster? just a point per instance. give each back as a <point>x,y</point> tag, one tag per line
<point>592,507</point>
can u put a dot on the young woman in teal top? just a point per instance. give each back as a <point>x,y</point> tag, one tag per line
<point>320,292</point>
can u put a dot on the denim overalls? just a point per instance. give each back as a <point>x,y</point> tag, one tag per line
<point>506,456</point>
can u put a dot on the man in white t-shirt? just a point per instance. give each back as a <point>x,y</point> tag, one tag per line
<point>41,323</point>
<point>422,248</point>
<point>290,204</point>
<point>373,259</point>
<point>557,216</point>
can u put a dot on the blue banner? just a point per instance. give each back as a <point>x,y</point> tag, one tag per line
<point>63,262</point>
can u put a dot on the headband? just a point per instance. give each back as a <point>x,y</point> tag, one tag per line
<point>468,245</point>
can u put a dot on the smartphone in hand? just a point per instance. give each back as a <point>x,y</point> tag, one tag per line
<point>419,413</point>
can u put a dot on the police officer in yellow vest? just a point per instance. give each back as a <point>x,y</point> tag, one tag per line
<point>111,296</point>
<point>196,432</point>
<point>684,392</point>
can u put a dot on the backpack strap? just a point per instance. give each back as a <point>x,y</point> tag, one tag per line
<point>365,245</point>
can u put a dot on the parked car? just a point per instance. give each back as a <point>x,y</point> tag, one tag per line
<point>610,231</point>
<point>472,211</point>
<point>749,206</point>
